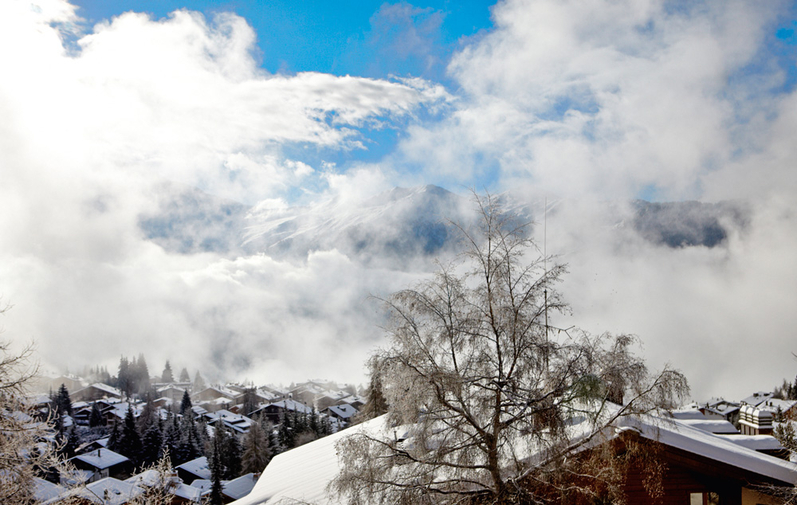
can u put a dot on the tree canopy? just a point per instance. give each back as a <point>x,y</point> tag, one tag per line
<point>481,389</point>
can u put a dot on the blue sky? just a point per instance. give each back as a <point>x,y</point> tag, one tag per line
<point>373,39</point>
<point>339,37</point>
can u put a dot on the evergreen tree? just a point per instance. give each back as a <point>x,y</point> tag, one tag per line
<point>232,456</point>
<point>130,441</point>
<point>152,444</point>
<point>123,380</point>
<point>70,441</point>
<point>199,383</point>
<point>314,424</point>
<point>257,453</point>
<point>149,415</point>
<point>216,467</point>
<point>167,375</point>
<point>285,432</point>
<point>96,419</point>
<point>115,437</point>
<point>250,401</point>
<point>185,405</point>
<point>375,405</point>
<point>63,404</point>
<point>190,446</point>
<point>171,439</point>
<point>184,377</point>
<point>142,375</point>
<point>793,395</point>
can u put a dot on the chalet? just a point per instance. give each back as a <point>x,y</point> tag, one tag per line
<point>721,409</point>
<point>174,393</point>
<point>181,493</point>
<point>106,491</point>
<point>236,422</point>
<point>781,409</point>
<point>45,384</point>
<point>238,488</point>
<point>215,398</point>
<point>96,392</point>
<point>275,411</point>
<point>701,467</point>
<point>343,412</point>
<point>193,470</point>
<point>103,463</point>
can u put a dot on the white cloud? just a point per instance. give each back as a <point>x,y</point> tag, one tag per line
<point>87,134</point>
<point>599,98</point>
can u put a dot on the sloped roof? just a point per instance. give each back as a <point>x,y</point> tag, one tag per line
<point>240,487</point>
<point>107,491</point>
<point>101,458</point>
<point>302,474</point>
<point>716,426</point>
<point>198,467</point>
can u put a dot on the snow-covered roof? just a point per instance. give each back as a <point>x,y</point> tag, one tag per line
<point>106,389</point>
<point>151,477</point>
<point>345,411</point>
<point>301,475</point>
<point>716,426</point>
<point>107,491</point>
<point>120,410</point>
<point>101,458</point>
<point>757,398</point>
<point>773,404</point>
<point>198,467</point>
<point>202,485</point>
<point>240,487</point>
<point>291,405</point>
<point>688,412</point>
<point>714,447</point>
<point>45,490</point>
<point>756,442</point>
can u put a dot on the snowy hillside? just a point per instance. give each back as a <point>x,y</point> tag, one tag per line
<point>400,226</point>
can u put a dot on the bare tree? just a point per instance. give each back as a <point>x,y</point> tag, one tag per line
<point>26,444</point>
<point>484,394</point>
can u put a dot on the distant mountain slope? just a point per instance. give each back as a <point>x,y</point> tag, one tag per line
<point>685,224</point>
<point>394,228</point>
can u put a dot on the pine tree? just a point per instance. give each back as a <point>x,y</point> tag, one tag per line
<point>184,377</point>
<point>250,401</point>
<point>96,419</point>
<point>142,375</point>
<point>152,444</point>
<point>199,383</point>
<point>185,405</point>
<point>232,456</point>
<point>256,453</point>
<point>190,446</point>
<point>167,375</point>
<point>793,395</point>
<point>130,440</point>
<point>216,467</point>
<point>70,441</point>
<point>63,404</point>
<point>286,434</point>
<point>171,439</point>
<point>124,380</point>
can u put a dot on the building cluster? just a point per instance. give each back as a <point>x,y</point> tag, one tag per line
<point>714,452</point>
<point>105,476</point>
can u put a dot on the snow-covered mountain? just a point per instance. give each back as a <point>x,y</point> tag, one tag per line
<point>400,226</point>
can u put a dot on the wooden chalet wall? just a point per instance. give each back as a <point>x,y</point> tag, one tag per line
<point>689,473</point>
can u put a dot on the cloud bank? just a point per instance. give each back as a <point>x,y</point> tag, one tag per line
<point>586,102</point>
